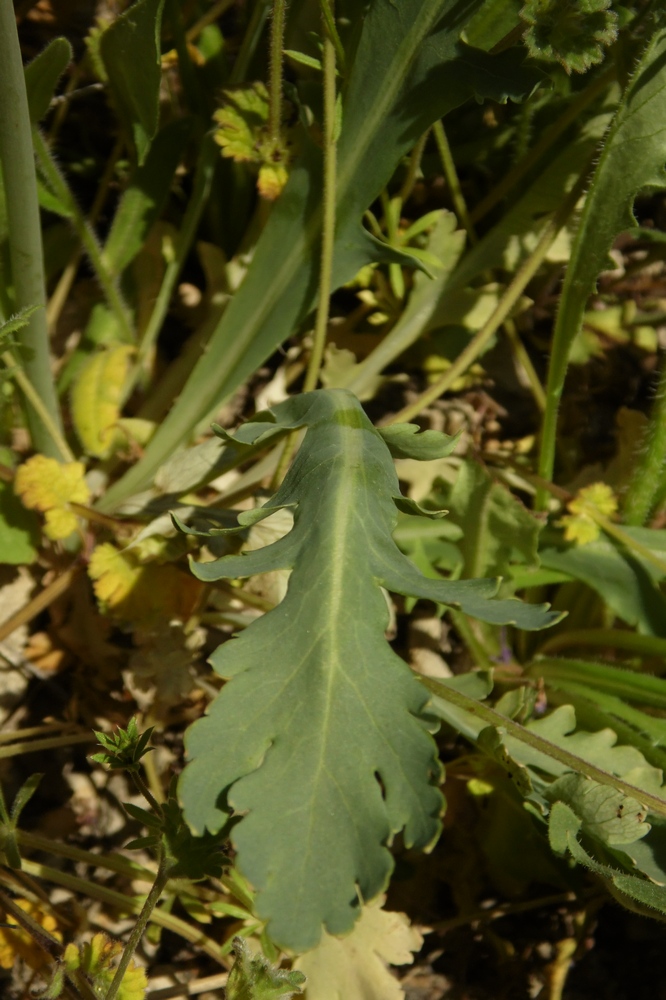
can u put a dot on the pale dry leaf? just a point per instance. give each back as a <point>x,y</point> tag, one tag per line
<point>356,967</point>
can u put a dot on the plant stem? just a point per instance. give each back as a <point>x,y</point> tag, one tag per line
<point>40,601</point>
<point>492,718</point>
<point>124,903</point>
<point>451,177</point>
<point>51,427</point>
<point>328,218</point>
<point>202,183</point>
<point>142,787</point>
<point>648,474</point>
<point>641,645</point>
<point>508,301</point>
<point>275,71</point>
<point>19,178</point>
<point>58,185</point>
<point>329,21</point>
<point>217,10</point>
<point>152,899</point>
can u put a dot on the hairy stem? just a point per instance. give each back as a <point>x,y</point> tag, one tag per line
<point>25,235</point>
<point>52,427</point>
<point>275,71</point>
<point>86,234</point>
<point>492,718</point>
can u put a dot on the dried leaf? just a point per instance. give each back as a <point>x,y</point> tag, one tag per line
<point>96,398</point>
<point>133,591</point>
<point>96,961</point>
<point>355,967</point>
<point>49,486</point>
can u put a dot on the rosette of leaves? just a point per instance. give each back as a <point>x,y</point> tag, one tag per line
<point>574,33</point>
<point>319,739</point>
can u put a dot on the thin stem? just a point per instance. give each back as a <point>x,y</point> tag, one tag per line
<point>275,71</point>
<point>648,474</point>
<point>328,219</point>
<point>152,899</point>
<point>86,234</point>
<point>109,862</point>
<point>413,168</point>
<point>451,176</point>
<point>19,179</point>
<point>146,792</point>
<point>201,189</point>
<point>524,360</point>
<point>508,301</point>
<point>52,427</point>
<point>32,746</point>
<point>615,638</point>
<point>572,761</point>
<point>124,903</point>
<point>331,28</point>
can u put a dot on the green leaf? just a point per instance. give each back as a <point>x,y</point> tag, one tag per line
<point>252,977</point>
<point>605,813</point>
<point>130,50</point>
<point>564,827</point>
<point>408,441</point>
<point>497,529</point>
<point>145,196</point>
<point>319,706</point>
<point>626,582</point>
<point>409,69</point>
<point>42,75</point>
<point>19,529</point>
<point>632,158</point>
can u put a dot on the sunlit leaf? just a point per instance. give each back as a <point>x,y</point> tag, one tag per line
<point>49,486</point>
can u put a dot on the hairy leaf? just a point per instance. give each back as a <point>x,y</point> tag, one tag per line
<point>42,75</point>
<point>319,710</point>
<point>130,50</point>
<point>409,69</point>
<point>632,158</point>
<point>49,486</point>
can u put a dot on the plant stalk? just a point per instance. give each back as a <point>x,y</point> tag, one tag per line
<point>152,899</point>
<point>275,71</point>
<point>506,304</point>
<point>17,159</point>
<point>488,715</point>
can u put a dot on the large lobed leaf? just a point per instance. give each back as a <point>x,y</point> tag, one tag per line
<point>317,740</point>
<point>408,70</point>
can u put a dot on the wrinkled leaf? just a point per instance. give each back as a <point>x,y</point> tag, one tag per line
<point>605,813</point>
<point>252,977</point>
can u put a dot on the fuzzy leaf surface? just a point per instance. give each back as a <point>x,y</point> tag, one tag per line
<point>318,709</point>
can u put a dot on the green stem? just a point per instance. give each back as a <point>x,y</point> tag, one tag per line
<point>615,638</point>
<point>51,427</point>
<point>203,179</point>
<point>58,185</point>
<point>329,24</point>
<point>275,71</point>
<point>648,474</point>
<point>144,790</point>
<point>17,159</point>
<point>124,903</point>
<point>509,300</point>
<point>152,899</point>
<point>451,176</point>
<point>328,218</point>
<point>488,715</point>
